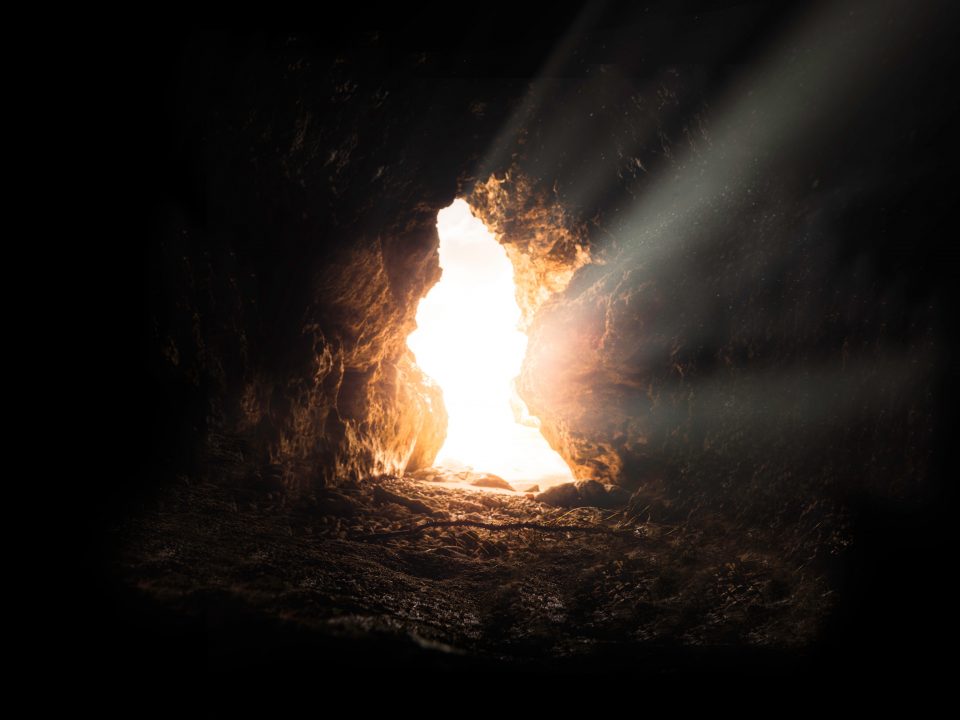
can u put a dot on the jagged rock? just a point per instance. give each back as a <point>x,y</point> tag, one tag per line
<point>285,275</point>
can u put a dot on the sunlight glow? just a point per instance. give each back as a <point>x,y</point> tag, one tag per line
<point>467,339</point>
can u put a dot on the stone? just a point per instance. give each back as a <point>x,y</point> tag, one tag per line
<point>584,493</point>
<point>564,495</point>
<point>491,481</point>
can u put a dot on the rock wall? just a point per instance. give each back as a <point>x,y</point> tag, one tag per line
<point>722,313</point>
<point>294,235</point>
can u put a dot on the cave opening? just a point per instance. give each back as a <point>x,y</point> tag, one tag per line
<point>468,339</point>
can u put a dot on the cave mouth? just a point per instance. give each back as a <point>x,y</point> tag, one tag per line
<point>469,342</point>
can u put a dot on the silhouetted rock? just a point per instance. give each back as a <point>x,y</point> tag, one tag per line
<point>584,493</point>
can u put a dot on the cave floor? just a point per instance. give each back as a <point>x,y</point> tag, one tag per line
<point>223,578</point>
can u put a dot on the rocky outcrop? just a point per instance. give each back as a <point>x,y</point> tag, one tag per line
<point>295,236</point>
<point>718,315</point>
<point>545,243</point>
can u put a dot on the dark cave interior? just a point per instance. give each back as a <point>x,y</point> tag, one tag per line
<point>727,229</point>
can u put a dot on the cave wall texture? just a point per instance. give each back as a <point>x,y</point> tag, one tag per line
<point>286,279</point>
<point>723,246</point>
<point>755,333</point>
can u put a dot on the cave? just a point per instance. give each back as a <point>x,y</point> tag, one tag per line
<point>614,341</point>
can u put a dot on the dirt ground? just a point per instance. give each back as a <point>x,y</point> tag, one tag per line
<point>401,570</point>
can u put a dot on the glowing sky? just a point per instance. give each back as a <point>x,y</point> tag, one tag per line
<point>467,340</point>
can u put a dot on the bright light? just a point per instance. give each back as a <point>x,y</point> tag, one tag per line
<point>467,340</point>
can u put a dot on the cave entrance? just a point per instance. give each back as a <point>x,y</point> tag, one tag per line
<point>468,340</point>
